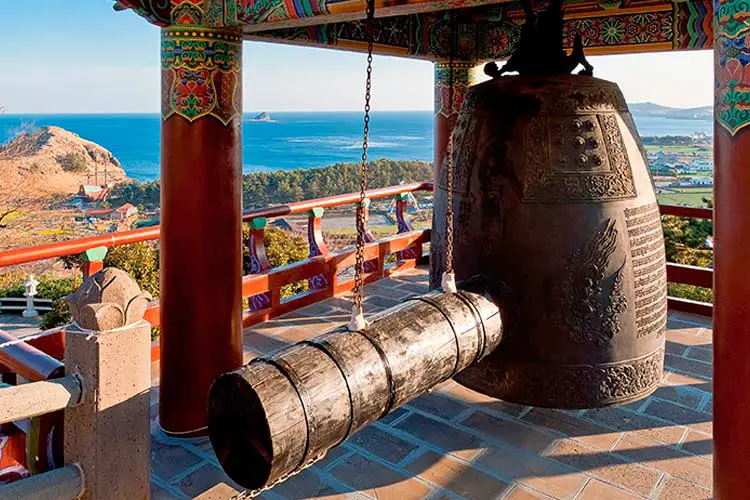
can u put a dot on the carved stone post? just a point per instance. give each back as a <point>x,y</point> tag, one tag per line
<point>108,348</point>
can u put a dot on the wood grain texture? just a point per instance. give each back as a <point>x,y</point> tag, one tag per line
<point>341,381</point>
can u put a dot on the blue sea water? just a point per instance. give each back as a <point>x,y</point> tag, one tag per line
<point>291,140</point>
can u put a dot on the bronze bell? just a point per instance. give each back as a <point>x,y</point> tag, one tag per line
<point>553,200</point>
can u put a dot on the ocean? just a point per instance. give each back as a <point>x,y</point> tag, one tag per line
<point>290,140</point>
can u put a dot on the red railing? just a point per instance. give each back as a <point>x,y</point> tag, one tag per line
<point>262,289</point>
<point>689,275</point>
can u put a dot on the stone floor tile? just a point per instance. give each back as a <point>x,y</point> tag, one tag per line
<point>168,461</point>
<point>688,366</point>
<point>704,353</point>
<point>690,318</point>
<point>546,476</point>
<point>667,459</point>
<point>698,443</point>
<point>436,404</point>
<point>676,378</point>
<point>678,489</point>
<point>318,309</point>
<point>383,444</point>
<point>413,288</point>
<point>378,480</point>
<point>456,476</point>
<point>685,395</point>
<point>590,433</point>
<point>686,335</point>
<point>467,395</point>
<point>606,466</point>
<point>532,439</point>
<point>676,348</point>
<point>262,342</point>
<point>307,484</point>
<point>158,493</point>
<point>221,491</point>
<point>271,327</point>
<point>521,493</point>
<point>623,420</point>
<point>332,455</point>
<point>204,479</point>
<point>439,434</point>
<point>680,415</point>
<point>394,415</point>
<point>597,490</point>
<point>391,291</point>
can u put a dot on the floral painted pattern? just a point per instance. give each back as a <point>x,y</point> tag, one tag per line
<point>732,106</point>
<point>201,74</point>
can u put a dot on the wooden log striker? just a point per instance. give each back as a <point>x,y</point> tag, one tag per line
<point>275,414</point>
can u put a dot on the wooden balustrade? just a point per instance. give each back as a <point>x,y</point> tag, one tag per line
<point>689,275</point>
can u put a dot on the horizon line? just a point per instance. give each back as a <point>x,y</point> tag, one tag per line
<point>89,113</point>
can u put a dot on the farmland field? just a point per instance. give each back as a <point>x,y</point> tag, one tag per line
<point>690,197</point>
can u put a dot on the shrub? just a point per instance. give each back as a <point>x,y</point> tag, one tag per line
<point>140,261</point>
<point>59,315</point>
<point>73,162</point>
<point>50,287</point>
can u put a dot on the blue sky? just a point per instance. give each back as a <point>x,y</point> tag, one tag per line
<point>63,56</point>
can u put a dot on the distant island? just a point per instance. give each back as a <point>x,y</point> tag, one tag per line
<point>261,117</point>
<point>659,111</point>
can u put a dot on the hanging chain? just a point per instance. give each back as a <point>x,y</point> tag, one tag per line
<point>448,284</point>
<point>359,267</point>
<point>254,493</point>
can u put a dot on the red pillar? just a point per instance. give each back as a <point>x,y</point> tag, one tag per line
<point>465,74</point>
<point>732,251</point>
<point>201,205</point>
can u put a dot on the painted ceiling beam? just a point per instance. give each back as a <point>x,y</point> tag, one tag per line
<point>486,32</point>
<point>490,32</point>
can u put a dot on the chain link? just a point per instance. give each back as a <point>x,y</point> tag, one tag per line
<point>254,493</point>
<point>449,154</point>
<point>359,267</point>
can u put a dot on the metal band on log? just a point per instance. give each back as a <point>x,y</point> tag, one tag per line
<point>274,415</point>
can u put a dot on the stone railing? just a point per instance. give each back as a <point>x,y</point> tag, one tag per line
<point>80,428</point>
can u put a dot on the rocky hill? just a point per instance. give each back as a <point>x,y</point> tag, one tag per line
<point>52,160</point>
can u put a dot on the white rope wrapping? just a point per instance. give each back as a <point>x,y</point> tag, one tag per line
<point>33,336</point>
<point>358,321</point>
<point>448,283</point>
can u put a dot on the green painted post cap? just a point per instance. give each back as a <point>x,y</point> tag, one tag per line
<point>94,254</point>
<point>317,212</point>
<point>403,196</point>
<point>258,223</point>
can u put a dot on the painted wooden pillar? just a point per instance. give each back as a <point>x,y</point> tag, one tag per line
<point>731,250</point>
<point>201,205</point>
<point>465,74</point>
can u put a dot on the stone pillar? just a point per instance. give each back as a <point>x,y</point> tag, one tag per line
<point>731,250</point>
<point>109,349</point>
<point>201,205</point>
<point>465,74</point>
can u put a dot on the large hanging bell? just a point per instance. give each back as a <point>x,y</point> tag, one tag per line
<point>553,200</point>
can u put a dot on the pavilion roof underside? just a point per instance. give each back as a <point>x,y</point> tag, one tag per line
<point>487,29</point>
